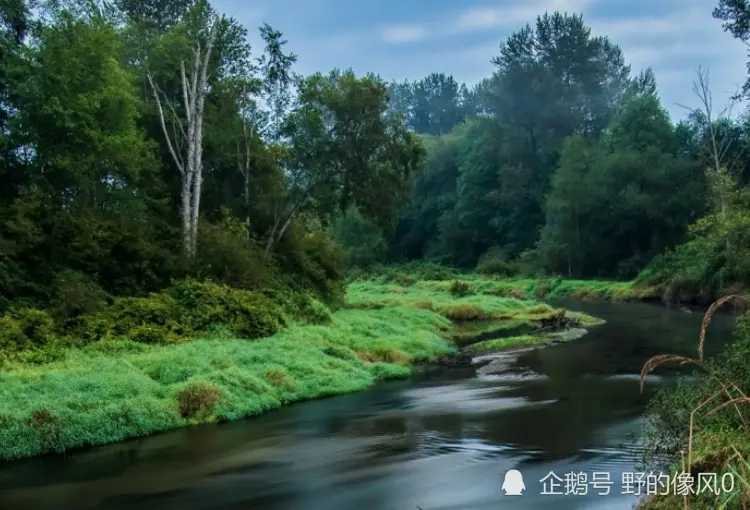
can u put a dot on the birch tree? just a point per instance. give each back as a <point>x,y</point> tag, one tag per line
<point>185,139</point>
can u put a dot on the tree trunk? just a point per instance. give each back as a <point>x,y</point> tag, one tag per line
<point>185,202</point>
<point>190,164</point>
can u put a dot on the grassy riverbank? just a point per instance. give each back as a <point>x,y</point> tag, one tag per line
<point>114,390</point>
<point>701,425</point>
<point>186,356</point>
<point>427,275</point>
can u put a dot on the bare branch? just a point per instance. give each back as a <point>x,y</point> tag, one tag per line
<point>185,94</point>
<point>176,158</point>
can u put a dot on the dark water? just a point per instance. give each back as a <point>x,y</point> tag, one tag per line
<point>439,442</point>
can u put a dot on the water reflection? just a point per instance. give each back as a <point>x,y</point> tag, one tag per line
<point>442,441</point>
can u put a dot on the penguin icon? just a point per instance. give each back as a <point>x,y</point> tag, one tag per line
<point>513,484</point>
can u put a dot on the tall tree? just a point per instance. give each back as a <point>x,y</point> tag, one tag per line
<point>185,139</point>
<point>345,149</point>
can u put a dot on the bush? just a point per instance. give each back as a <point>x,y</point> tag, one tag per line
<point>205,304</point>
<point>152,319</point>
<point>459,288</point>
<point>225,256</point>
<point>77,294</point>
<point>495,263</point>
<point>26,328</point>
<point>311,262</point>
<point>198,399</point>
<point>668,413</point>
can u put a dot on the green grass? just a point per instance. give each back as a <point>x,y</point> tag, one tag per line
<point>556,288</point>
<point>498,344</point>
<point>118,389</point>
<point>114,389</point>
<point>432,295</point>
<point>524,288</point>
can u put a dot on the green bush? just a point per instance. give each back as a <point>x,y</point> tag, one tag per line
<point>77,294</point>
<point>205,304</point>
<point>225,256</point>
<point>459,288</point>
<point>495,263</point>
<point>312,262</point>
<point>26,328</point>
<point>152,319</point>
<point>668,413</point>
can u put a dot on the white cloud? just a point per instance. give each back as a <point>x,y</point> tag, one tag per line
<point>486,17</point>
<point>398,34</point>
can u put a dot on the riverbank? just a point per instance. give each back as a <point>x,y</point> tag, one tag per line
<point>428,275</point>
<point>116,388</point>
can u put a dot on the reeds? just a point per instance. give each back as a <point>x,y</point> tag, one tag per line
<point>730,395</point>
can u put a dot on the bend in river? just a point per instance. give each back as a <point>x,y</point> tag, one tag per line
<point>440,441</point>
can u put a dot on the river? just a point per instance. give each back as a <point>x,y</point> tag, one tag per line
<point>441,441</point>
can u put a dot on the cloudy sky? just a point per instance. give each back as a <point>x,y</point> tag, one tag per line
<point>408,39</point>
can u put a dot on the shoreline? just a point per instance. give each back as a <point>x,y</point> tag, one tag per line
<point>116,390</point>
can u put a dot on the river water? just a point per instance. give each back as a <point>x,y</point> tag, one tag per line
<point>442,441</point>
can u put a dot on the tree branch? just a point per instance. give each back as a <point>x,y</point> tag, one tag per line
<point>176,158</point>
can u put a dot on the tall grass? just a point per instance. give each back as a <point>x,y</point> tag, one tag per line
<point>715,432</point>
<point>114,390</point>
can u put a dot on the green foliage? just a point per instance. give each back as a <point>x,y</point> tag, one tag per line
<point>225,256</point>
<point>205,304</point>
<point>25,329</point>
<point>459,288</point>
<point>363,243</point>
<point>77,294</point>
<point>495,263</point>
<point>369,153</point>
<point>183,310</point>
<point>717,430</point>
<point>94,397</point>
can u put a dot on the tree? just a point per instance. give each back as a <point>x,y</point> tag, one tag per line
<point>189,131</point>
<point>433,105</point>
<point>716,145</point>
<point>344,149</point>
<point>616,203</point>
<point>736,17</point>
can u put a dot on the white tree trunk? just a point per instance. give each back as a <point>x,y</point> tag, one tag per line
<point>190,164</point>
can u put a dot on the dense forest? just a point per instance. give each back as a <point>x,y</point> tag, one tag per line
<point>565,162</point>
<point>163,181</point>
<point>160,145</point>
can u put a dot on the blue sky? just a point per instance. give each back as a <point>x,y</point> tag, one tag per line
<point>408,39</point>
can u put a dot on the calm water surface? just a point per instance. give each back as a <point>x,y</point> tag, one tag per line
<point>438,442</point>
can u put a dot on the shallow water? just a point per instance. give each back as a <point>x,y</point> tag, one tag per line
<point>441,441</point>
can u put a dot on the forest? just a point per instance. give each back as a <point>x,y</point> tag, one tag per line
<point>170,192</point>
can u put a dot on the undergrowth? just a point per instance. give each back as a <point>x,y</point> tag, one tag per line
<point>702,424</point>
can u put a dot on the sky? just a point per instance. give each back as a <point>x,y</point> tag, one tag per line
<point>408,39</point>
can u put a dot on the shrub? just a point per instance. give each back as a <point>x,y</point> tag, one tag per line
<point>198,399</point>
<point>26,328</point>
<point>76,294</point>
<point>311,262</point>
<point>225,256</point>
<point>497,267</point>
<point>495,263</point>
<point>420,270</point>
<point>205,304</point>
<point>464,312</point>
<point>459,288</point>
<point>152,319</point>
